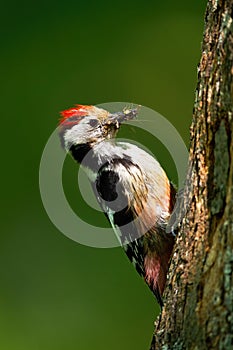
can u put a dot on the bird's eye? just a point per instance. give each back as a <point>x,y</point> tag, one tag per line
<point>93,123</point>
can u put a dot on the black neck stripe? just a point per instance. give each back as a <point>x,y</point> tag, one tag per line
<point>80,151</point>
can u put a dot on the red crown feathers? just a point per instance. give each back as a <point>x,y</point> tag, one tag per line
<point>77,111</point>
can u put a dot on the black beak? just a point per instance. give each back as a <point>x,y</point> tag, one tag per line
<point>126,114</point>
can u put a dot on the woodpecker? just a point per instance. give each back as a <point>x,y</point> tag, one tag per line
<point>130,186</point>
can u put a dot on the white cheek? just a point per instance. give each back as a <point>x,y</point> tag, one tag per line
<point>75,135</point>
<point>81,133</point>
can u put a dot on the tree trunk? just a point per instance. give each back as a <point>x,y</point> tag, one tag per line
<point>198,311</point>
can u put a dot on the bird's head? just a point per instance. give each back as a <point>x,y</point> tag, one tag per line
<point>89,125</point>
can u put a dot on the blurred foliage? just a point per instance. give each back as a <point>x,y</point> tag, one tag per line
<point>55,293</point>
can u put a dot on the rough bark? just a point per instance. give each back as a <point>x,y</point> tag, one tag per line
<point>198,311</point>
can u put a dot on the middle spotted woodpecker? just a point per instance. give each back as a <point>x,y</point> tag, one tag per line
<point>130,185</point>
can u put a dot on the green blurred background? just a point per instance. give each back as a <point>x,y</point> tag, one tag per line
<point>56,293</point>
